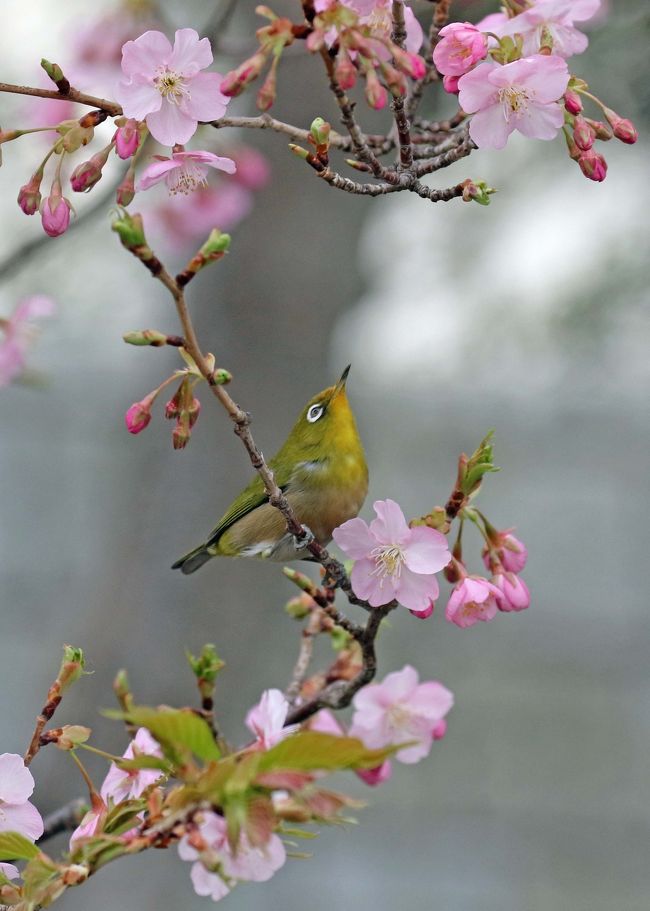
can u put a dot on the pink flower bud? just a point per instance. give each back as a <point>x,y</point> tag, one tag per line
<point>194,410</point>
<point>376,94</point>
<point>450,84</point>
<point>236,80</point>
<point>172,409</point>
<point>440,729</point>
<point>266,95</point>
<point>513,592</point>
<point>461,47</point>
<point>87,174</point>
<point>345,70</point>
<point>583,134</point>
<point>507,550</point>
<point>411,64</point>
<point>139,414</point>
<point>378,775</point>
<point>623,129</point>
<point>602,130</point>
<point>181,435</point>
<point>55,212</point>
<point>127,139</point>
<point>126,190</point>
<point>593,165</point>
<point>29,196</point>
<point>572,102</point>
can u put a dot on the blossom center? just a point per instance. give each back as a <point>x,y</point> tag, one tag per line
<point>186,179</point>
<point>380,22</point>
<point>398,716</point>
<point>171,85</point>
<point>388,561</point>
<point>514,100</point>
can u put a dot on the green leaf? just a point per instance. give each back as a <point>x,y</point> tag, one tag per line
<point>313,750</point>
<point>14,846</point>
<point>122,816</point>
<point>174,729</point>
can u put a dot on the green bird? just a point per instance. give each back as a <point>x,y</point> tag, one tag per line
<point>321,469</point>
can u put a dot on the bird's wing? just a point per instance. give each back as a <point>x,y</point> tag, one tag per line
<point>249,499</point>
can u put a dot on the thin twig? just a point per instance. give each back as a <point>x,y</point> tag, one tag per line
<point>110,107</point>
<point>64,819</point>
<point>398,107</point>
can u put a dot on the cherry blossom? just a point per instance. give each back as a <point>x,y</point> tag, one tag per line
<point>127,138</point>
<point>398,710</point>
<point>522,95</point>
<point>17,813</point>
<point>473,599</point>
<point>121,784</point>
<point>255,864</point>
<point>139,414</point>
<point>165,87</point>
<point>462,45</point>
<point>393,560</point>
<point>556,18</point>
<point>510,552</point>
<point>184,172</point>
<point>91,821</point>
<point>55,211</point>
<point>266,719</point>
<point>513,592</point>
<point>18,334</point>
<point>325,722</point>
<point>377,15</point>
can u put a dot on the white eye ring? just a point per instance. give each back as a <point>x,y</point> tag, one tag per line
<point>314,413</point>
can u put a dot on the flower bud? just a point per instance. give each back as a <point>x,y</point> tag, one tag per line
<point>88,173</point>
<point>602,130</point>
<point>73,137</point>
<point>145,337</point>
<point>193,411</point>
<point>181,434</point>
<point>378,775</point>
<point>623,129</point>
<point>593,165</point>
<point>130,229</point>
<point>320,131</point>
<point>440,729</point>
<point>55,212</point>
<point>29,196</point>
<point>572,102</point>
<point>514,594</point>
<point>266,95</point>
<point>55,73</point>
<point>126,190</point>
<point>67,737</point>
<point>583,134</point>
<point>221,376</point>
<point>72,667</point>
<point>477,192</point>
<point>300,607</point>
<point>237,80</point>
<point>139,414</point>
<point>450,84</point>
<point>345,71</point>
<point>411,64</point>
<point>375,92</point>
<point>127,138</point>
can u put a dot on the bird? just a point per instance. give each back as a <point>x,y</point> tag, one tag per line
<point>321,469</point>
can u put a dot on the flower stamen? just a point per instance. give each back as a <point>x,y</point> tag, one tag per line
<point>388,561</point>
<point>171,85</point>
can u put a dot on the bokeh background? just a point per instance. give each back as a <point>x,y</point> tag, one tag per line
<point>529,317</point>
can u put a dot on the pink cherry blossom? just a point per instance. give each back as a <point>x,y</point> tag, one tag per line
<point>513,592</point>
<point>165,87</point>
<point>255,864</point>
<point>393,560</point>
<point>461,47</point>
<point>593,165</point>
<point>17,813</point>
<point>399,710</point>
<point>9,871</point>
<point>473,599</point>
<point>509,551</point>
<point>556,18</point>
<point>121,784</point>
<point>266,719</point>
<point>18,334</point>
<point>377,15</point>
<point>522,95</point>
<point>184,172</point>
<point>139,414</point>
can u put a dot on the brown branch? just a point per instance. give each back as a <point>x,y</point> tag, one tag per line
<point>398,106</point>
<point>446,158</point>
<point>110,107</point>
<point>64,819</point>
<point>309,632</point>
<point>48,710</point>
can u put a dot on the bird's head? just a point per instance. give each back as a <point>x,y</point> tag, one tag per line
<point>326,423</point>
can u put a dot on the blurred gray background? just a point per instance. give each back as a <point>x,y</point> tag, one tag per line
<point>530,317</point>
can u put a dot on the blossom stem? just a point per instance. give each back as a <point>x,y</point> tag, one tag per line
<point>84,774</point>
<point>103,753</point>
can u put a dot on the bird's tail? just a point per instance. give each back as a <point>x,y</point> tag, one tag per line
<point>194,560</point>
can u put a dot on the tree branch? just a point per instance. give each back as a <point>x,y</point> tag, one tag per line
<point>110,107</point>
<point>398,106</point>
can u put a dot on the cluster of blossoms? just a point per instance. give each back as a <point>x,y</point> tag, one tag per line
<point>359,31</point>
<point>395,561</point>
<point>510,72</point>
<point>164,93</point>
<point>17,335</point>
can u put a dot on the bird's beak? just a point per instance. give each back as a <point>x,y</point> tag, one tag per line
<point>341,383</point>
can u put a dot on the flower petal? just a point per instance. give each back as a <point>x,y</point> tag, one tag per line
<point>475,90</point>
<point>138,98</point>
<point>23,818</point>
<point>368,586</point>
<point>427,550</point>
<point>9,871</point>
<point>170,125</point>
<point>155,172</point>
<point>415,591</point>
<point>354,538</point>
<point>390,525</point>
<point>146,54</point>
<point>399,685</point>
<point>489,128</point>
<point>206,883</point>
<point>431,700</point>
<point>190,53</point>
<point>205,101</point>
<point>16,781</point>
<point>540,121</point>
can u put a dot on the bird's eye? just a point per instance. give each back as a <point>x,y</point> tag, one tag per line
<point>314,413</point>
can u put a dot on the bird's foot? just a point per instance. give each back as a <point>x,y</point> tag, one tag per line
<point>307,538</point>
